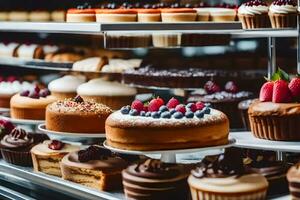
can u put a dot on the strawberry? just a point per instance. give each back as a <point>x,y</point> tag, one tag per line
<point>211,87</point>
<point>172,103</point>
<point>160,101</point>
<point>281,92</point>
<point>192,107</point>
<point>138,105</point>
<point>154,105</point>
<point>180,108</point>
<point>200,105</point>
<point>145,108</point>
<point>266,92</point>
<point>231,87</point>
<point>294,87</point>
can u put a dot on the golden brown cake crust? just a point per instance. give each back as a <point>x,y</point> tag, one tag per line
<point>70,116</point>
<point>141,133</point>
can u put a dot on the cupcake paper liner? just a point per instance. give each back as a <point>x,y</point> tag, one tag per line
<point>275,127</point>
<point>17,157</point>
<point>283,20</point>
<point>254,21</point>
<point>204,195</point>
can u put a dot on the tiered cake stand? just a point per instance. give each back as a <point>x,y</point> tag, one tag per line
<point>169,156</point>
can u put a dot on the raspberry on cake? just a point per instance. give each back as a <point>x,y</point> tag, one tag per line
<point>95,167</point>
<point>76,116</point>
<point>167,126</point>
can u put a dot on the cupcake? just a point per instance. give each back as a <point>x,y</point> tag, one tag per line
<point>254,14</point>
<point>222,14</point>
<point>293,177</point>
<point>148,15</point>
<point>15,147</point>
<point>178,14</point>
<point>283,13</point>
<point>47,156</point>
<point>226,100</point>
<point>202,14</point>
<point>153,179</point>
<point>66,86</point>
<point>116,15</point>
<point>94,167</point>
<point>265,163</point>
<point>112,94</point>
<point>225,177</point>
<point>83,13</point>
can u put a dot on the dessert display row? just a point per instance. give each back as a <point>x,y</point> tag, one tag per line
<point>253,14</point>
<point>33,16</point>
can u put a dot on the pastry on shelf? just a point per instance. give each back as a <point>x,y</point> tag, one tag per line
<point>94,167</point>
<point>58,16</point>
<point>9,50</point>
<point>153,179</point>
<point>121,65</point>
<point>148,15</point>
<point>8,89</point>
<point>66,86</point>
<point>222,14</point>
<point>127,40</point>
<point>46,156</point>
<point>83,13</point>
<point>112,94</point>
<point>18,16</point>
<point>265,163</point>
<point>116,15</point>
<point>254,14</point>
<point>276,115</point>
<point>225,100</point>
<point>93,64</point>
<point>202,14</point>
<point>224,177</point>
<point>170,126</point>
<point>29,52</point>
<point>64,56</point>
<point>30,104</point>
<point>39,16</point>
<point>166,39</point>
<point>15,147</point>
<point>3,16</point>
<point>165,77</point>
<point>283,13</point>
<point>76,116</point>
<point>178,15</point>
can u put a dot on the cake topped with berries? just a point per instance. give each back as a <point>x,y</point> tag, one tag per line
<point>76,116</point>
<point>166,126</point>
<point>276,115</point>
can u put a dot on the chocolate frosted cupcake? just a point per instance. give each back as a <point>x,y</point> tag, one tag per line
<point>264,163</point>
<point>94,167</point>
<point>15,147</point>
<point>283,13</point>
<point>224,177</point>
<point>254,14</point>
<point>153,179</point>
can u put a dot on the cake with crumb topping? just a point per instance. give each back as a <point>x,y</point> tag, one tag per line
<point>77,116</point>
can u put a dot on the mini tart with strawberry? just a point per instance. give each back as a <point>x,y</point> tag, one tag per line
<point>116,15</point>
<point>172,126</point>
<point>178,14</point>
<point>82,13</point>
<point>30,104</point>
<point>276,115</point>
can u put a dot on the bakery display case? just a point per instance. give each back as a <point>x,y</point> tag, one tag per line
<point>149,100</point>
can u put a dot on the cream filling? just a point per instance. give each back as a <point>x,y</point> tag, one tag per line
<point>253,10</point>
<point>66,84</point>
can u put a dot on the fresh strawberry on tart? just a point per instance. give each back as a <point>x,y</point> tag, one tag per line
<point>276,115</point>
<point>161,126</point>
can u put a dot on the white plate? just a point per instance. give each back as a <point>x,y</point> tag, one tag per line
<point>42,127</point>
<point>247,140</point>
<point>175,151</point>
<point>23,121</point>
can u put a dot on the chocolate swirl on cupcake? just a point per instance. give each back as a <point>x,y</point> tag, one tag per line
<point>94,153</point>
<point>18,138</point>
<point>228,164</point>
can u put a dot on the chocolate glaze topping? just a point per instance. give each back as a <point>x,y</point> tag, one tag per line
<point>18,138</point>
<point>152,168</point>
<point>224,165</point>
<point>56,145</point>
<point>94,153</point>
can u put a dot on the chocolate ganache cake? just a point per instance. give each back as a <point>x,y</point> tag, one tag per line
<point>153,179</point>
<point>95,167</point>
<point>170,126</point>
<point>224,177</point>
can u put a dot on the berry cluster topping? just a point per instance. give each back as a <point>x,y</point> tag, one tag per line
<point>56,145</point>
<point>36,93</point>
<point>255,3</point>
<point>284,2</point>
<point>212,87</point>
<point>280,89</point>
<point>8,79</point>
<point>6,127</point>
<point>157,108</point>
<point>93,153</point>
